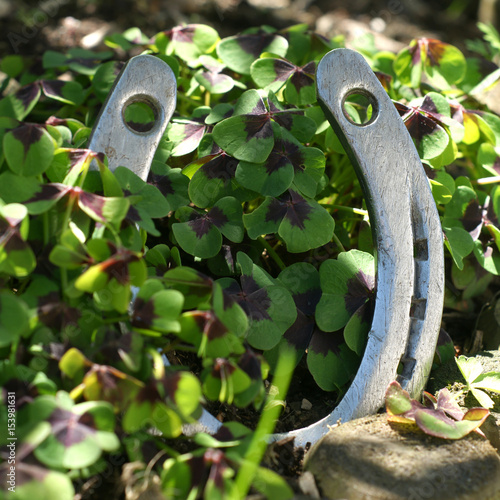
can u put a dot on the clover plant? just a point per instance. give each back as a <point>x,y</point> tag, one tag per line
<point>440,417</point>
<point>477,381</point>
<point>250,239</point>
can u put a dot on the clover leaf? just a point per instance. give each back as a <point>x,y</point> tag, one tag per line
<point>188,42</point>
<point>214,178</point>
<point>299,81</point>
<point>19,104</point>
<point>16,256</point>
<point>347,300</point>
<point>171,183</point>
<point>248,135</point>
<point>187,133</point>
<point>200,233</point>
<point>33,481</point>
<point>225,381</point>
<point>301,222</point>
<point>429,137</point>
<point>287,162</point>
<point>14,318</point>
<point>156,310</point>
<point>28,149</point>
<point>110,278</point>
<point>148,203</point>
<point>477,381</point>
<point>441,417</point>
<point>268,305</point>
<point>462,223</point>
<point>77,434</point>
<point>442,63</point>
<point>164,402</point>
<point>240,51</point>
<point>302,280</point>
<point>331,362</point>
<point>212,79</point>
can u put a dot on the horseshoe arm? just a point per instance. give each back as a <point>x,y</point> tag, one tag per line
<point>407,235</point>
<point>145,79</point>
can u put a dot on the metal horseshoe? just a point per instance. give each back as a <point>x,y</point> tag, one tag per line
<point>407,231</point>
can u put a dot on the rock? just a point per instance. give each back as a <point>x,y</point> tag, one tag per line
<point>306,404</point>
<point>307,485</point>
<point>370,459</point>
<point>490,360</point>
<point>491,429</point>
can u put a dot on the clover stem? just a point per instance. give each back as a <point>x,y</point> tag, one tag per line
<point>46,233</point>
<point>265,427</point>
<point>272,252</point>
<point>357,211</point>
<point>67,214</point>
<point>488,180</point>
<point>13,352</point>
<point>45,220</point>
<point>338,242</point>
<point>183,98</point>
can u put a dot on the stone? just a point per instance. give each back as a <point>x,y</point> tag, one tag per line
<point>372,459</point>
<point>306,404</point>
<point>307,485</point>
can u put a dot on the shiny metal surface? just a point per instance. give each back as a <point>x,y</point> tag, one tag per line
<point>145,79</point>
<point>408,239</point>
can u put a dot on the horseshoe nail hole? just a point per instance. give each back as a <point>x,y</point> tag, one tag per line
<point>405,369</point>
<point>140,114</point>
<point>417,308</point>
<point>421,250</point>
<point>360,107</point>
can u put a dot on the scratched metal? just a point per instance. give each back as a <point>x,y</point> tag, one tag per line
<point>145,79</point>
<point>408,240</point>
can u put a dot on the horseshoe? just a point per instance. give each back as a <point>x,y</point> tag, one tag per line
<point>406,227</point>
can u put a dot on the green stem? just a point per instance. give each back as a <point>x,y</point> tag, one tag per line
<point>13,352</point>
<point>265,427</point>
<point>45,220</point>
<point>184,98</point>
<point>67,214</point>
<point>357,211</point>
<point>46,232</point>
<point>272,252</point>
<point>488,180</point>
<point>338,242</point>
<point>84,172</point>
